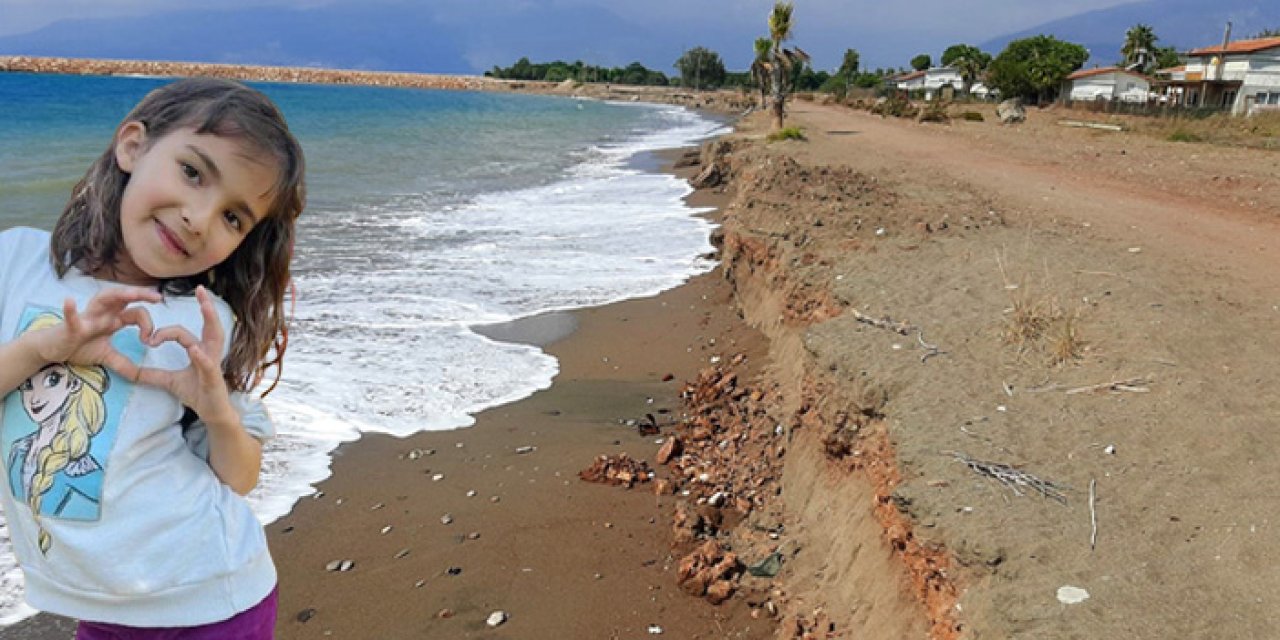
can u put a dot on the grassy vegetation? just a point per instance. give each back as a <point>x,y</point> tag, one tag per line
<point>972,116</point>
<point>786,133</point>
<point>1259,131</point>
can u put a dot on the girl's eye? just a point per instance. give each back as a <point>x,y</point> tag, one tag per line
<point>52,379</point>
<point>233,219</point>
<point>190,173</point>
<point>26,385</point>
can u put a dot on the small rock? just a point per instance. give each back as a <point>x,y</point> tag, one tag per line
<point>453,571</point>
<point>496,618</point>
<point>386,530</point>
<point>471,493</point>
<point>444,613</point>
<point>419,584</point>
<point>305,615</point>
<point>474,535</point>
<point>655,630</point>
<point>525,449</point>
<point>446,519</point>
<point>437,477</point>
<point>402,553</point>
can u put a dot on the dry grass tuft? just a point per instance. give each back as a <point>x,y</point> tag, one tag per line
<point>1259,131</point>
<point>1065,344</point>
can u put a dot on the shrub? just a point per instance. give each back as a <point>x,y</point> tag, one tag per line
<point>972,116</point>
<point>1182,135</point>
<point>786,133</point>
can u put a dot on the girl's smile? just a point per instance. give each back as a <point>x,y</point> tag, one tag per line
<point>190,200</point>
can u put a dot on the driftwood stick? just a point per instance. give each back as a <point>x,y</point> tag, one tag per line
<point>886,323</point>
<point>1093,514</point>
<point>1133,385</point>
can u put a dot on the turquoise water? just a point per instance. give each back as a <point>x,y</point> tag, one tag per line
<point>428,212</point>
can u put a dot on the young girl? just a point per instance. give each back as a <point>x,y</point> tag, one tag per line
<point>130,340</point>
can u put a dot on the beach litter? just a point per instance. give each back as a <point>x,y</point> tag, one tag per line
<point>655,630</point>
<point>1068,594</point>
<point>767,568</point>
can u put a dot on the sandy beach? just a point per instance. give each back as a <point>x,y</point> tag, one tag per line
<point>956,381</point>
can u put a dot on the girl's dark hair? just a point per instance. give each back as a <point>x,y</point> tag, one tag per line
<point>254,279</point>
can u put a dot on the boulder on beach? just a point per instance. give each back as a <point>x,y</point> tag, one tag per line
<point>1011,111</point>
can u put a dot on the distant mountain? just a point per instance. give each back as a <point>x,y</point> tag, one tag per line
<point>1184,24</point>
<point>354,35</point>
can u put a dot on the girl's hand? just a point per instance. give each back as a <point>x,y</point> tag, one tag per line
<point>199,386</point>
<point>85,337</point>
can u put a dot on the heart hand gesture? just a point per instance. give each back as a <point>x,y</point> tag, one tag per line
<point>200,386</point>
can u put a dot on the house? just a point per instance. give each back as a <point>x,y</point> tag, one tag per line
<point>931,81</point>
<point>1241,76</point>
<point>1108,83</point>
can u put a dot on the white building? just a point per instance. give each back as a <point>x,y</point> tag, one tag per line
<point>930,80</point>
<point>1243,76</point>
<point>1109,83</point>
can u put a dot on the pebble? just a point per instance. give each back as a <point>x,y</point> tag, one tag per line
<point>453,571</point>
<point>496,618</point>
<point>340,565</point>
<point>386,530</point>
<point>305,615</point>
<point>402,553</point>
<point>444,613</point>
<point>494,499</point>
<point>474,535</point>
<point>419,584</point>
<point>525,449</point>
<point>437,477</point>
<point>655,630</point>
<point>446,519</point>
<point>471,493</point>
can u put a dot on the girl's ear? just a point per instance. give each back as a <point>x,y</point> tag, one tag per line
<point>131,140</point>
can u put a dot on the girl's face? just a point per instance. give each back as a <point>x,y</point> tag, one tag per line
<point>190,201</point>
<point>45,393</point>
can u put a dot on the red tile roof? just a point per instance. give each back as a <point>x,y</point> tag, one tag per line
<point>1239,46</point>
<point>1086,73</point>
<point>910,76</point>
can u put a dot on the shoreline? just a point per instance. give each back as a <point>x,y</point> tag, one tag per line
<point>719,102</point>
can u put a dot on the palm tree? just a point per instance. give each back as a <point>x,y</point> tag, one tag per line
<point>761,69</point>
<point>781,60</point>
<point>1139,46</point>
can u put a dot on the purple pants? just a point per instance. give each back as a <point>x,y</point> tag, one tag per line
<point>255,623</point>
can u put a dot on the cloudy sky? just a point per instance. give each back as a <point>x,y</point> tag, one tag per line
<point>887,33</point>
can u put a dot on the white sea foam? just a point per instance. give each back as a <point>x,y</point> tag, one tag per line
<point>381,340</point>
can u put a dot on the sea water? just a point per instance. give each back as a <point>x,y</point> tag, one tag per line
<point>429,212</point>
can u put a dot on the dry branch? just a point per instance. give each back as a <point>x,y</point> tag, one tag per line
<point>1013,477</point>
<point>1132,385</point>
<point>886,323</point>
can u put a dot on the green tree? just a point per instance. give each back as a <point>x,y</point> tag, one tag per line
<point>849,66</point>
<point>782,60</point>
<point>969,61</point>
<point>1034,68</point>
<point>1167,57</point>
<point>921,62</point>
<point>1139,47</point>
<point>1268,33</point>
<point>700,68</point>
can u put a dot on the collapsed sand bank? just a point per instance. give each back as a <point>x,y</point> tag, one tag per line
<point>949,305</point>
